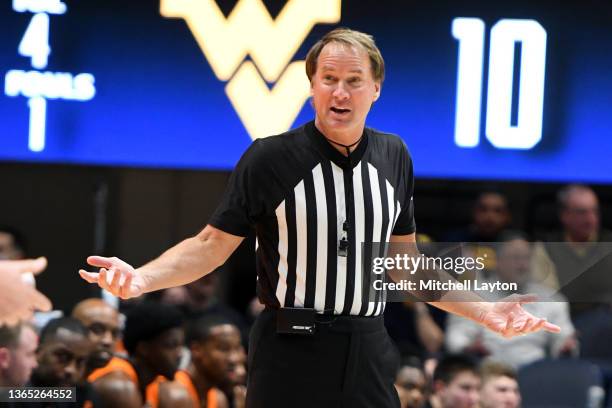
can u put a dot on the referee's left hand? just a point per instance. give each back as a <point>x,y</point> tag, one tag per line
<point>508,317</point>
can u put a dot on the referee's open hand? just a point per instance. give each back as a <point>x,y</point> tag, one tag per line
<point>508,317</point>
<point>116,276</point>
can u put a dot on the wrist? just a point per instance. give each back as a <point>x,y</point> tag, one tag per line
<point>480,311</point>
<point>145,278</point>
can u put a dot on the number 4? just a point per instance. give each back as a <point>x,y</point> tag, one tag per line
<point>499,130</point>
<point>35,41</point>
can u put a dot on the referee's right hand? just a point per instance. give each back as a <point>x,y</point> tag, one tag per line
<point>116,276</point>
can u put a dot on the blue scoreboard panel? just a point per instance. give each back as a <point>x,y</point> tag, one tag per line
<point>507,90</point>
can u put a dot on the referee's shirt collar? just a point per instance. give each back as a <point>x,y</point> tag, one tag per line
<point>329,151</point>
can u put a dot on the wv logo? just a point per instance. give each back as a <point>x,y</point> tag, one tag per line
<point>271,44</point>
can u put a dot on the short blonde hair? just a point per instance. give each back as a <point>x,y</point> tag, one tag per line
<point>493,369</point>
<point>351,38</point>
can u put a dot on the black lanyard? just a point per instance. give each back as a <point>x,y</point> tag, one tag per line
<point>343,244</point>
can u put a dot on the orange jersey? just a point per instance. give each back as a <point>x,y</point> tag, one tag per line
<point>184,379</point>
<point>152,392</point>
<point>117,364</point>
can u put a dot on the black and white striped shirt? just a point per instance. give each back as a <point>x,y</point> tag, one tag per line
<point>303,197</point>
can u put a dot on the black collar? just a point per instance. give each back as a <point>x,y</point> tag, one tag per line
<point>329,151</point>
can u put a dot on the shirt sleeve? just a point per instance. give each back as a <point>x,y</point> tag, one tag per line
<point>242,203</point>
<point>405,224</point>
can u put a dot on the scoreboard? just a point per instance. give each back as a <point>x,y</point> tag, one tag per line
<point>505,90</point>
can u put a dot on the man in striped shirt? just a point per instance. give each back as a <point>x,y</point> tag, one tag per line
<point>316,196</point>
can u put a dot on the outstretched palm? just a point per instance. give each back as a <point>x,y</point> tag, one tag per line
<point>508,317</point>
<point>116,276</point>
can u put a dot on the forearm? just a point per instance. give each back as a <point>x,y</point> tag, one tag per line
<point>187,261</point>
<point>506,316</point>
<point>190,259</point>
<point>463,303</point>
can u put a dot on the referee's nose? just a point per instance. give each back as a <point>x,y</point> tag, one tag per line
<point>340,93</point>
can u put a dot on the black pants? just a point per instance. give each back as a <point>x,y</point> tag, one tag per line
<point>348,362</point>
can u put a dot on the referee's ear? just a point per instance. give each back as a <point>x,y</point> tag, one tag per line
<point>377,88</point>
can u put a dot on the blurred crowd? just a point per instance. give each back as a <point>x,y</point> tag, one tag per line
<point>184,347</point>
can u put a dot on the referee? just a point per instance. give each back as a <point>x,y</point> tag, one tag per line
<point>314,195</point>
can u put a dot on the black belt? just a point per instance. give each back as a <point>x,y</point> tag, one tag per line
<point>323,322</point>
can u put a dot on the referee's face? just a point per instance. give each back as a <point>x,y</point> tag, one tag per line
<point>343,90</point>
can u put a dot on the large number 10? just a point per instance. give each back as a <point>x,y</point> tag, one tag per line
<point>499,129</point>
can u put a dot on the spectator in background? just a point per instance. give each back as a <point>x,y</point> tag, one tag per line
<point>200,297</point>
<point>114,391</point>
<point>193,298</point>
<point>411,385</point>
<point>456,383</point>
<point>236,390</point>
<point>103,326</point>
<point>490,218</point>
<point>153,338</point>
<point>62,355</point>
<point>579,215</point>
<point>172,394</point>
<point>415,327</point>
<point>17,354</point>
<point>574,260</point>
<point>216,358</point>
<point>500,387</point>
<point>513,266</point>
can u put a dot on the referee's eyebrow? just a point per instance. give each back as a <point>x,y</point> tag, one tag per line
<point>331,68</point>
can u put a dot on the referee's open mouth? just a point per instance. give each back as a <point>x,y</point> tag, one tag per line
<point>340,111</point>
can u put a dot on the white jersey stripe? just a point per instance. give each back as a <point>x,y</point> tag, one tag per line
<point>302,244</point>
<point>377,211</point>
<point>340,218</point>
<point>359,237</point>
<point>321,281</point>
<point>281,287</point>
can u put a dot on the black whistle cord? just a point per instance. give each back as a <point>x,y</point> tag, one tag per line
<point>343,244</point>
